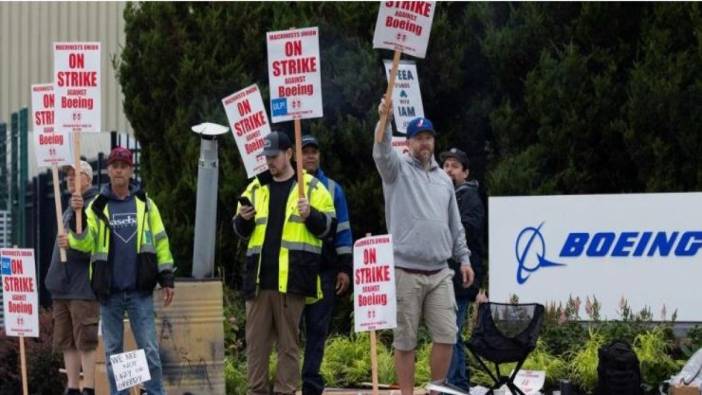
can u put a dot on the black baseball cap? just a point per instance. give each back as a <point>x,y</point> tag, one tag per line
<point>456,154</point>
<point>309,140</point>
<point>275,142</point>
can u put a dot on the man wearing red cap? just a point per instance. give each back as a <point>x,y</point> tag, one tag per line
<point>130,253</point>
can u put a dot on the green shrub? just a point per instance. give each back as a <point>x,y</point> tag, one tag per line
<point>652,349</point>
<point>584,362</point>
<point>347,361</point>
<point>540,359</point>
<point>235,376</point>
<point>422,368</point>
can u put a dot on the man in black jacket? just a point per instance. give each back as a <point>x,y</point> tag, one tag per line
<point>456,164</point>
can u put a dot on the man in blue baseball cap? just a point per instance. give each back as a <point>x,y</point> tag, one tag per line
<point>421,213</point>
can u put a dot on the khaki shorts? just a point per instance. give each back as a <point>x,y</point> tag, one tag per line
<point>429,296</point>
<point>75,324</point>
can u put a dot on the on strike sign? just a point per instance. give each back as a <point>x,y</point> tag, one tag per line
<point>404,25</point>
<point>406,97</point>
<point>19,292</point>
<point>51,147</point>
<point>77,86</point>
<point>249,123</point>
<point>374,299</point>
<point>294,74</point>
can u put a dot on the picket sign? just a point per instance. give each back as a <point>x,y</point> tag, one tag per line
<point>21,301</point>
<point>402,26</point>
<point>295,83</point>
<point>51,147</point>
<point>249,124</point>
<point>375,303</point>
<point>77,91</point>
<point>130,369</point>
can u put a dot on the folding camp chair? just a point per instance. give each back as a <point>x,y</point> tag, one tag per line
<point>505,333</point>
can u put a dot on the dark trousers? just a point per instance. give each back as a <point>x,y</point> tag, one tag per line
<point>316,318</point>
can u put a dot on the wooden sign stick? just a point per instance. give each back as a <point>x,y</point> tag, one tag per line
<point>23,366</point>
<point>59,209</point>
<point>374,361</point>
<point>298,158</point>
<point>76,155</point>
<point>388,96</point>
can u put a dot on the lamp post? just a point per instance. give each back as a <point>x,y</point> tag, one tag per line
<point>206,207</point>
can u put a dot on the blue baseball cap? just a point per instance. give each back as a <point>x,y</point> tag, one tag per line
<point>419,125</point>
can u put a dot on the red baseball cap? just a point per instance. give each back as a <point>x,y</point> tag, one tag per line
<point>120,154</point>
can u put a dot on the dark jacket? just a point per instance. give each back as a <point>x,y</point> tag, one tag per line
<point>472,213</point>
<point>70,280</point>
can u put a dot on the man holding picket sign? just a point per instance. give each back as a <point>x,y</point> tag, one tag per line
<point>423,242</point>
<point>283,255</point>
<point>130,253</point>
<point>75,310</point>
<point>414,183</point>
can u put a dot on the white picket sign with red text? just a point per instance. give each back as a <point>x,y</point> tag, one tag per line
<point>20,293</point>
<point>374,300</point>
<point>77,86</point>
<point>294,74</point>
<point>248,121</point>
<point>50,146</point>
<point>404,26</point>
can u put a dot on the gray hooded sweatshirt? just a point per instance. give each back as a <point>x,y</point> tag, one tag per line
<point>70,280</point>
<point>421,211</point>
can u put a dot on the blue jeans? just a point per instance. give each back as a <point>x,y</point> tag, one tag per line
<point>317,318</point>
<point>140,309</point>
<point>458,373</point>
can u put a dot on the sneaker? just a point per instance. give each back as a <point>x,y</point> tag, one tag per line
<point>88,391</point>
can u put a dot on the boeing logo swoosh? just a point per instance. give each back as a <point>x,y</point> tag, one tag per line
<point>530,251</point>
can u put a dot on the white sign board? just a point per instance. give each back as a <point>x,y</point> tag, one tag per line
<point>530,381</point>
<point>294,74</point>
<point>130,369</point>
<point>77,86</point>
<point>50,147</point>
<point>644,248</point>
<point>248,121</point>
<point>406,96</point>
<point>404,25</point>
<point>20,293</point>
<point>374,301</point>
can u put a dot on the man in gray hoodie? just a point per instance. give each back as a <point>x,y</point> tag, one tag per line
<point>75,309</point>
<point>422,215</point>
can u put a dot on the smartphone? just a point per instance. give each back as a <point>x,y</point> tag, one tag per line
<point>244,201</point>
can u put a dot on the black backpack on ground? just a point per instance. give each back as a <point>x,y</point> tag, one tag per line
<point>618,371</point>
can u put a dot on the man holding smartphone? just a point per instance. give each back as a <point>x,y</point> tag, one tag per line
<point>283,256</point>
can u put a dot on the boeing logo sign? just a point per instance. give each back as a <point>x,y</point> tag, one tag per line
<point>530,247</point>
<point>643,247</point>
<point>530,250</point>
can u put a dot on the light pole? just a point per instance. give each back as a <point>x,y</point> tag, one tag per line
<point>206,207</point>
